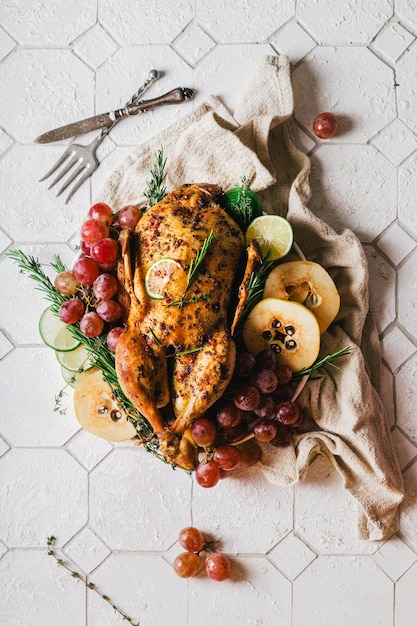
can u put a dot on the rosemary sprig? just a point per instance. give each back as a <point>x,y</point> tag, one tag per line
<point>193,300</point>
<point>199,258</point>
<point>156,191</point>
<point>329,359</point>
<point>90,585</point>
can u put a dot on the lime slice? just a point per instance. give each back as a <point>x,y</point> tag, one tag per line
<point>78,360</point>
<point>159,276</point>
<point>273,233</point>
<point>55,333</point>
<point>70,378</point>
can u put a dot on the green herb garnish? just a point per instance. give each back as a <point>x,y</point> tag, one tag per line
<point>156,190</point>
<point>314,371</point>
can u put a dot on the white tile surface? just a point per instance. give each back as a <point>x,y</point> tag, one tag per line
<point>116,511</point>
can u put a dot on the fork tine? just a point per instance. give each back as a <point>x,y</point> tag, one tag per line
<point>70,178</point>
<point>78,184</point>
<point>73,161</point>
<point>64,156</point>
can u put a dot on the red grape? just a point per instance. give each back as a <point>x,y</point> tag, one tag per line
<point>91,325</point>
<point>218,566</point>
<point>187,564</point>
<point>245,364</point>
<point>229,416</point>
<point>284,374</point>
<point>287,412</point>
<point>204,432</point>
<point>247,398</point>
<point>113,337</point>
<point>250,453</point>
<point>86,271</point>
<point>325,125</point>
<point>105,286</point>
<point>191,539</point>
<point>207,474</point>
<point>104,251</point>
<point>227,457</point>
<point>267,360</point>
<point>129,216</point>
<point>284,392</point>
<point>236,433</point>
<point>266,406</point>
<point>71,311</point>
<point>66,283</point>
<point>108,267</point>
<point>265,430</point>
<point>101,212</point>
<point>265,380</point>
<point>85,248</point>
<point>283,437</point>
<point>109,310</point>
<point>93,230</point>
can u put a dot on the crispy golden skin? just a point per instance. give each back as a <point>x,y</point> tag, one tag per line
<point>179,349</point>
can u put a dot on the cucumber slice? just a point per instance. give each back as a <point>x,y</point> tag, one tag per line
<point>55,333</point>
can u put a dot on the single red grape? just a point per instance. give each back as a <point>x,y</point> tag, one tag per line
<point>204,432</point>
<point>187,564</point>
<point>247,398</point>
<point>91,325</point>
<point>109,310</point>
<point>191,539</point>
<point>207,474</point>
<point>104,251</point>
<point>250,453</point>
<point>245,364</point>
<point>229,416</point>
<point>236,433</point>
<point>267,360</point>
<point>105,286</point>
<point>265,430</point>
<point>265,380</point>
<point>266,406</point>
<point>113,337</point>
<point>287,412</point>
<point>227,457</point>
<point>86,271</point>
<point>71,311</point>
<point>218,566</point>
<point>325,125</point>
<point>129,216</point>
<point>93,230</point>
<point>284,374</point>
<point>66,283</point>
<point>101,212</point>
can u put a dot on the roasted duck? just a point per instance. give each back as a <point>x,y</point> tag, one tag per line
<point>176,355</point>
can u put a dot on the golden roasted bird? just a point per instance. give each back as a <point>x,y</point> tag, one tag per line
<point>177,348</point>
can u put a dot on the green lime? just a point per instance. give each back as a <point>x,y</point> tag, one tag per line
<point>78,360</point>
<point>243,205</point>
<point>55,333</point>
<point>274,235</point>
<point>70,377</point>
<point>160,276</point>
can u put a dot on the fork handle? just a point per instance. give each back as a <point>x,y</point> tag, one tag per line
<point>172,97</point>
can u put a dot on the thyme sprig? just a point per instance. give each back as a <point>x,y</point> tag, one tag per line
<point>331,360</point>
<point>156,190</point>
<point>90,585</point>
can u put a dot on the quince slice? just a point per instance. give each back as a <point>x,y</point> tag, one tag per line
<point>97,411</point>
<point>308,283</point>
<point>288,328</point>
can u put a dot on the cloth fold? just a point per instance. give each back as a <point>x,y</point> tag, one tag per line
<point>347,420</point>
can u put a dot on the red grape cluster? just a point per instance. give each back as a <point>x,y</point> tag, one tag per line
<point>259,410</point>
<point>187,564</point>
<point>92,284</point>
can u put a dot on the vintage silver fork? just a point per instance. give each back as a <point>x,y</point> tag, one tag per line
<point>82,159</point>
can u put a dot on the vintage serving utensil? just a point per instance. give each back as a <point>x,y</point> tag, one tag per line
<point>80,161</point>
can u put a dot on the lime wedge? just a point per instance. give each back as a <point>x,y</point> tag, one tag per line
<point>160,276</point>
<point>273,233</point>
<point>55,333</point>
<point>78,360</point>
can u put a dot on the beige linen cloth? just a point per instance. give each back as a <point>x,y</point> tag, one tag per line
<point>348,422</point>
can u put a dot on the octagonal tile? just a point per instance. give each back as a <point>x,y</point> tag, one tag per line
<point>56,23</point>
<point>293,41</point>
<point>406,194</point>
<point>5,345</point>
<point>35,590</point>
<point>126,490</point>
<point>336,23</point>
<point>6,43</point>
<point>407,295</point>
<point>395,141</point>
<point>325,516</point>
<point>255,592</point>
<point>46,86</point>
<point>395,558</point>
<point>392,41</point>
<point>292,556</point>
<point>353,187</point>
<point>396,243</point>
<point>406,395</point>
<point>408,514</point>
<point>381,288</point>
<point>262,513</point>
<point>407,84</point>
<point>122,74</point>
<point>336,590</point>
<point>88,449</point>
<point>95,46</point>
<point>406,11</point>
<point>145,587</point>
<point>247,22</point>
<point>193,43</point>
<point>148,23</point>
<point>406,451</point>
<point>352,83</point>
<point>406,598</point>
<point>86,550</point>
<point>23,303</point>
<point>5,141</point>
<point>396,348</point>
<point>43,492</point>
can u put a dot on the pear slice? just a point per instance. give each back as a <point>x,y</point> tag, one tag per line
<point>288,328</point>
<point>308,283</point>
<point>97,411</point>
